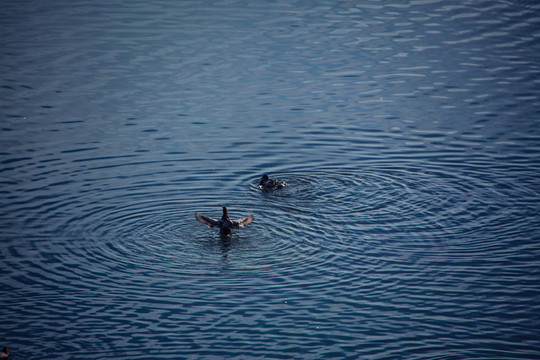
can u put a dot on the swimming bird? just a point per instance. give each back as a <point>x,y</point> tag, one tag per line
<point>5,353</point>
<point>225,224</point>
<point>268,184</point>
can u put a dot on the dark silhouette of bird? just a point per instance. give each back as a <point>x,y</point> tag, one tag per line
<point>268,184</point>
<point>225,224</point>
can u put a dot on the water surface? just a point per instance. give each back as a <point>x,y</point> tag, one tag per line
<point>408,135</point>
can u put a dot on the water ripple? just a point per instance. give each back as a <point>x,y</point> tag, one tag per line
<point>407,133</point>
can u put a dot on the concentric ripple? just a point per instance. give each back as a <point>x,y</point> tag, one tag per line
<point>342,212</point>
<point>321,215</point>
<point>324,218</point>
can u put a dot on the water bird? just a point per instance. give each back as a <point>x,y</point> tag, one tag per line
<point>5,353</point>
<point>268,184</point>
<point>225,224</point>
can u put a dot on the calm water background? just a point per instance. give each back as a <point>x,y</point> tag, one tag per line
<point>409,135</point>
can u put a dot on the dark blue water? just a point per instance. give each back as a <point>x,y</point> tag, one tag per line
<point>409,136</point>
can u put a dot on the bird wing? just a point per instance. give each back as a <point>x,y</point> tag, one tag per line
<point>208,221</point>
<point>244,221</point>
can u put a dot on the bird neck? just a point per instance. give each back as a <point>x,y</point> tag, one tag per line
<point>225,214</point>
